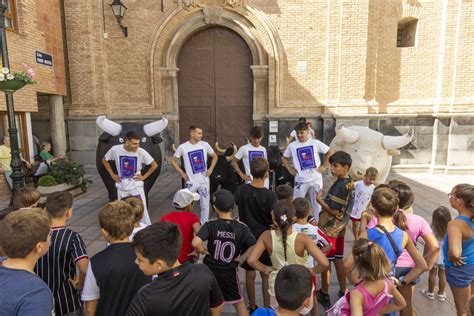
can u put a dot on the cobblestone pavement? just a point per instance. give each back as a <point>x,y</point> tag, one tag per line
<point>430,192</point>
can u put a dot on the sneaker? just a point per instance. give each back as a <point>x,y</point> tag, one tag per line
<point>340,294</point>
<point>441,296</point>
<point>429,295</point>
<point>323,299</point>
<point>251,310</point>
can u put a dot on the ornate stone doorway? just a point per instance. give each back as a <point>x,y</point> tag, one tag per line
<point>215,86</point>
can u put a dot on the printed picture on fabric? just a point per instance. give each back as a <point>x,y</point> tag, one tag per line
<point>255,154</point>
<point>306,157</point>
<point>128,166</point>
<point>197,161</point>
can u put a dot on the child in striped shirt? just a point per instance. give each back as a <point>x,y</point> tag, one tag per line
<point>67,251</point>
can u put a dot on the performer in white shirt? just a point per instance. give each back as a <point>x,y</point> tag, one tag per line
<point>248,152</point>
<point>129,158</point>
<point>311,132</point>
<point>307,168</point>
<point>194,153</point>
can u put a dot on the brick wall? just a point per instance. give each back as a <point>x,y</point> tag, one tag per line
<point>39,29</point>
<point>349,48</point>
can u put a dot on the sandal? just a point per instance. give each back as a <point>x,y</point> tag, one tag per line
<point>427,294</point>
<point>441,297</point>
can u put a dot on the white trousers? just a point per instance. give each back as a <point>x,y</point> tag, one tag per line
<point>312,188</point>
<point>203,190</point>
<point>130,187</point>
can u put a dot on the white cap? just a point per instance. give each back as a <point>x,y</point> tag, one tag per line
<point>184,197</point>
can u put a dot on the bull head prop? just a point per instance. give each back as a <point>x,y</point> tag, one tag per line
<point>223,174</point>
<point>114,134</point>
<point>369,148</point>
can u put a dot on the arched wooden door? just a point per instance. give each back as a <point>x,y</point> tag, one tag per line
<point>215,86</point>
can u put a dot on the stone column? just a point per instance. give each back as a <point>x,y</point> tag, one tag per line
<point>169,90</point>
<point>260,92</point>
<point>440,143</point>
<point>58,126</point>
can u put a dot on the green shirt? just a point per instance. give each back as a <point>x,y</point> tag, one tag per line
<point>46,155</point>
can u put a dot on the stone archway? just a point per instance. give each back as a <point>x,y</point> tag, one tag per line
<point>188,18</point>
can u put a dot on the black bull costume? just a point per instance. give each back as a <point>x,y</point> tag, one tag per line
<point>114,134</point>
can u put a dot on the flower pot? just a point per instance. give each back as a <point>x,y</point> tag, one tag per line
<point>10,86</point>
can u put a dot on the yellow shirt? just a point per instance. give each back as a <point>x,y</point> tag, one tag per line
<point>278,257</point>
<point>5,158</point>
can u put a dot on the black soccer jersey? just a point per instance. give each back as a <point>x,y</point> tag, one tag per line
<point>59,264</point>
<point>187,290</point>
<point>226,239</point>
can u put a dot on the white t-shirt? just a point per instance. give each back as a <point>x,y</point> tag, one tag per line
<point>362,197</point>
<point>305,158</point>
<point>128,163</point>
<point>319,238</point>
<point>247,153</point>
<point>136,230</point>
<point>195,160</point>
<point>310,134</point>
<point>91,290</point>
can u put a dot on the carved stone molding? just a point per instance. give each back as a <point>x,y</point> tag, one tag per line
<point>191,4</point>
<point>212,14</point>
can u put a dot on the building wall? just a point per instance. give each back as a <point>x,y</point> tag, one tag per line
<point>39,29</point>
<point>332,61</point>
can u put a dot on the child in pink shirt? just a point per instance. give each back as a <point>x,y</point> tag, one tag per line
<point>372,296</point>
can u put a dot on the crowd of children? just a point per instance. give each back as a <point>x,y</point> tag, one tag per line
<point>154,270</point>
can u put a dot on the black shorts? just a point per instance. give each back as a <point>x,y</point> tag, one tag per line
<point>229,284</point>
<point>264,258</point>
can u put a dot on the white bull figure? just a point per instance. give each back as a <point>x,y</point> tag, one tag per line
<point>369,148</point>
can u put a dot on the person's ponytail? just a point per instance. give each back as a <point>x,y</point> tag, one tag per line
<point>400,220</point>
<point>284,212</point>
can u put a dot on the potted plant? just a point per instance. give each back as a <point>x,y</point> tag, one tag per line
<point>10,82</point>
<point>65,174</point>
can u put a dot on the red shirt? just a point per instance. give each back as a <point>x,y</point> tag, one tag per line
<point>185,222</point>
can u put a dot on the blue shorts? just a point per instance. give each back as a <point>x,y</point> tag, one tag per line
<point>403,271</point>
<point>461,276</point>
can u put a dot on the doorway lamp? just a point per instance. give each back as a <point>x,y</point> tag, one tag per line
<point>118,8</point>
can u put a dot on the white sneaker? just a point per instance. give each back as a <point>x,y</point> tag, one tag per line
<point>427,294</point>
<point>441,296</point>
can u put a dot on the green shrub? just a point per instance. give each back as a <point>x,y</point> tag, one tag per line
<point>47,181</point>
<point>70,172</point>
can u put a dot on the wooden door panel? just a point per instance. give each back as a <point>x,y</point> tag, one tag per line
<point>215,86</point>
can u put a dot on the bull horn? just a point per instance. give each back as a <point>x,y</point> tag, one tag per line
<point>154,128</point>
<point>234,151</point>
<point>108,126</point>
<point>218,148</point>
<point>395,142</point>
<point>350,136</point>
<point>173,146</point>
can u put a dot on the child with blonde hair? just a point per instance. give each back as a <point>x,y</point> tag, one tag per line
<point>26,197</point>
<point>138,210</point>
<point>375,294</point>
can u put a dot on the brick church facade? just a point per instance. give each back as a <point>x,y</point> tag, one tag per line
<point>391,65</point>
